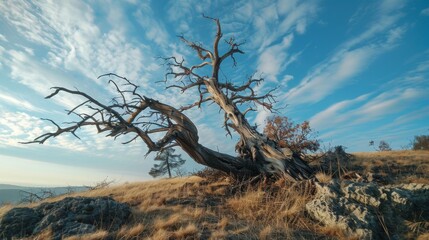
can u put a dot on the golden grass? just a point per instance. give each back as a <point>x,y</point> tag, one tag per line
<point>323,177</point>
<point>130,232</point>
<point>99,235</point>
<point>46,234</point>
<point>404,166</point>
<point>188,231</point>
<point>198,208</point>
<point>423,237</point>
<point>264,234</point>
<point>5,208</point>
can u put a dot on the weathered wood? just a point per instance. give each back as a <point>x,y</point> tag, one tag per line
<point>256,153</point>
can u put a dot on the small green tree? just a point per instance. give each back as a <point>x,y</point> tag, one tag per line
<point>421,142</point>
<point>168,161</point>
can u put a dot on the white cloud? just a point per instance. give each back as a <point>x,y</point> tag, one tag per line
<point>388,6</point>
<point>400,94</point>
<point>330,76</point>
<point>261,117</point>
<point>387,103</point>
<point>270,21</point>
<point>352,57</point>
<point>18,127</point>
<point>407,118</point>
<point>343,116</point>
<point>388,14</point>
<point>154,30</point>
<point>297,16</point>
<point>272,60</point>
<point>181,14</point>
<point>28,24</point>
<point>73,39</point>
<point>3,38</point>
<point>425,12</point>
<point>422,67</point>
<point>332,115</point>
<point>394,35</point>
<point>18,102</point>
<point>39,77</point>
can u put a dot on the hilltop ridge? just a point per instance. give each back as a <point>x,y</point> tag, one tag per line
<point>212,205</point>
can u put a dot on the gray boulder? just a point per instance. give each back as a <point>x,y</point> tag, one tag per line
<point>18,222</point>
<point>369,211</point>
<point>70,216</point>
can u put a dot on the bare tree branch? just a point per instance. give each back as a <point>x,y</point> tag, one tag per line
<point>161,126</point>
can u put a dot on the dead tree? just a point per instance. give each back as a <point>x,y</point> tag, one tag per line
<point>133,113</point>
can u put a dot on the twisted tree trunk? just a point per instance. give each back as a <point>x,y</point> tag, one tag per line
<point>257,155</point>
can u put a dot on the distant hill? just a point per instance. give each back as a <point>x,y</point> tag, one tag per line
<point>15,194</point>
<point>8,186</point>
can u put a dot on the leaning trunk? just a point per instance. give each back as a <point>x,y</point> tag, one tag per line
<point>260,154</point>
<point>256,153</point>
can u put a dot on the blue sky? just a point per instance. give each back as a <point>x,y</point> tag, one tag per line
<point>357,70</point>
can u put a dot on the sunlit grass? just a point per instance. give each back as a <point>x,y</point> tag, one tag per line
<point>199,208</point>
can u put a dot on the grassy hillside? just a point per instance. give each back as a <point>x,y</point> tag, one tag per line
<point>395,166</point>
<point>213,207</point>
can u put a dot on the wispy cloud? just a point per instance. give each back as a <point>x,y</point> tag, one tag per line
<point>273,20</point>
<point>352,57</point>
<point>154,30</point>
<point>331,75</point>
<point>272,27</point>
<point>19,126</point>
<point>39,77</point>
<point>332,115</point>
<point>273,59</point>
<point>395,99</point>
<point>3,38</point>
<point>16,127</point>
<point>73,39</point>
<point>345,114</point>
<point>18,102</point>
<point>425,12</point>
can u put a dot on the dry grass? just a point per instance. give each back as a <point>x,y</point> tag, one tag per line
<point>395,166</point>
<point>130,232</point>
<point>323,177</point>
<point>199,208</point>
<point>99,235</point>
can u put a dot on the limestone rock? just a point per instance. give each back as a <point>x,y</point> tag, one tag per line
<point>369,211</point>
<point>70,216</point>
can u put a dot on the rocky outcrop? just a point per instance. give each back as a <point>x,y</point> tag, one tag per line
<point>369,211</point>
<point>70,216</point>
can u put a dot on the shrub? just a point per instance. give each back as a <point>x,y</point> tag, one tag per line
<point>421,142</point>
<point>299,138</point>
<point>384,146</point>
